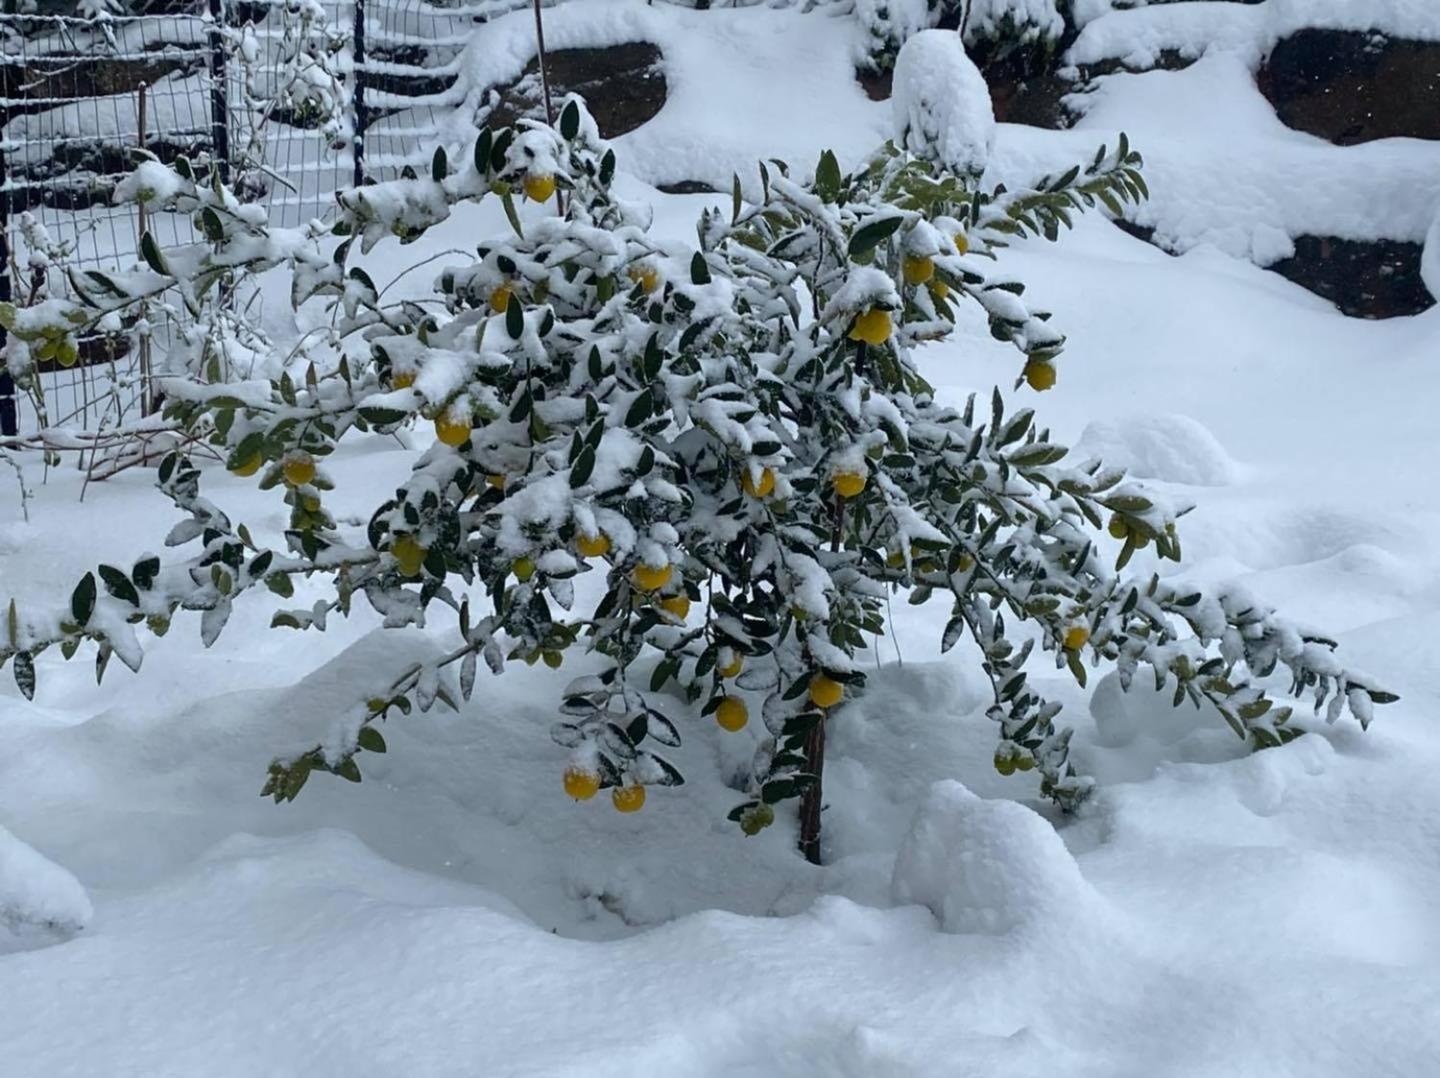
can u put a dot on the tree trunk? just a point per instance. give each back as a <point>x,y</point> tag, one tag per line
<point>810,800</point>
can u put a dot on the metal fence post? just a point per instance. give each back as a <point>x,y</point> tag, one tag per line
<point>357,142</point>
<point>9,421</point>
<point>219,91</point>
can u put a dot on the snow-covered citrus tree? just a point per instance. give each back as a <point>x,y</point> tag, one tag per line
<point>736,443</point>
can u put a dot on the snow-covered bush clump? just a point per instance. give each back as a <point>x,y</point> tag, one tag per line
<point>941,105</point>
<point>37,896</point>
<point>735,441</point>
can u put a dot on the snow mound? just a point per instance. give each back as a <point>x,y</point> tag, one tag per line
<point>941,104</point>
<point>1171,448</point>
<point>1430,260</point>
<point>36,894</point>
<point>987,867</point>
<point>1124,716</point>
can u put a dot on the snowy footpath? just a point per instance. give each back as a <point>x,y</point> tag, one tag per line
<point>1207,913</point>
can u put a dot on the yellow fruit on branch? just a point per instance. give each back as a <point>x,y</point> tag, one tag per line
<point>298,469</point>
<point>872,327</point>
<point>757,819</point>
<point>848,484</point>
<point>500,299</point>
<point>733,667</point>
<point>918,270</point>
<point>732,715</point>
<point>939,289</point>
<point>645,277</point>
<point>409,554</point>
<point>452,428</point>
<point>825,692</point>
<point>677,606</point>
<point>650,577</point>
<point>1004,764</point>
<point>1025,763</point>
<point>628,798</point>
<point>1075,637</point>
<point>523,568</point>
<point>1039,375</point>
<point>249,466</point>
<point>402,379</point>
<point>962,243</point>
<point>581,783</point>
<point>593,546</point>
<point>539,187</point>
<point>496,480</point>
<point>760,487</point>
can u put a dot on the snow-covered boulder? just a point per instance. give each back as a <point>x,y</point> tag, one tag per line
<point>36,894</point>
<point>986,866</point>
<point>941,106</point>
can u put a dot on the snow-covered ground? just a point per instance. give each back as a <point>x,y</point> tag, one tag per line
<point>1208,913</point>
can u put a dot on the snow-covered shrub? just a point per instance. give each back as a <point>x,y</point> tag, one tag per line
<point>885,26</point>
<point>1021,35</point>
<point>736,441</point>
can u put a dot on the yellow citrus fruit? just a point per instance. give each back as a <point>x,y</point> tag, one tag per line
<point>553,659</point>
<point>539,188</point>
<point>1075,637</point>
<point>919,270</point>
<point>524,568</point>
<point>848,484</point>
<point>872,327</point>
<point>1118,528</point>
<point>581,784</point>
<point>962,243</point>
<point>939,289</point>
<point>500,298</point>
<point>628,798</point>
<point>298,469</point>
<point>1025,763</point>
<point>403,379</point>
<point>249,467</point>
<point>964,563</point>
<point>409,554</point>
<point>895,559</point>
<point>732,715</point>
<point>650,578</point>
<point>496,480</point>
<point>452,428</point>
<point>1039,375</point>
<point>757,488</point>
<point>733,667</point>
<point>1004,764</point>
<point>645,277</point>
<point>677,606</point>
<point>593,546</point>
<point>825,692</point>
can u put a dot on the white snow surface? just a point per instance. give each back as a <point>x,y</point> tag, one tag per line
<point>1208,913</point>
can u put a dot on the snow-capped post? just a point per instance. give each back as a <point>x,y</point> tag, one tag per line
<point>219,102</point>
<point>362,117</point>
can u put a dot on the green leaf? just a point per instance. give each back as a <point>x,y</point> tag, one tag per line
<point>145,572</point>
<point>439,166</point>
<point>280,584</point>
<point>82,600</point>
<point>511,215</point>
<point>370,739</point>
<point>827,177</point>
<point>151,251</point>
<point>482,151</point>
<point>118,585</point>
<point>699,271</point>
<point>640,409</point>
<point>871,235</point>
<point>210,222</point>
<point>570,121</point>
<point>584,465</point>
<point>515,318</point>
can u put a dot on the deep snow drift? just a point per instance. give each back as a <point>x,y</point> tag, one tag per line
<point>1208,913</point>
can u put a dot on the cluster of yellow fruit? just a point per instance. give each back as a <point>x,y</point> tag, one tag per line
<point>582,784</point>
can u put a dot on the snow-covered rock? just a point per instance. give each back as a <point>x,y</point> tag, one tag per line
<point>941,105</point>
<point>986,866</point>
<point>36,894</point>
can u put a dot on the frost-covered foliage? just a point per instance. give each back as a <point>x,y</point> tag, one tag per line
<point>737,441</point>
<point>885,26</point>
<point>941,105</point>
